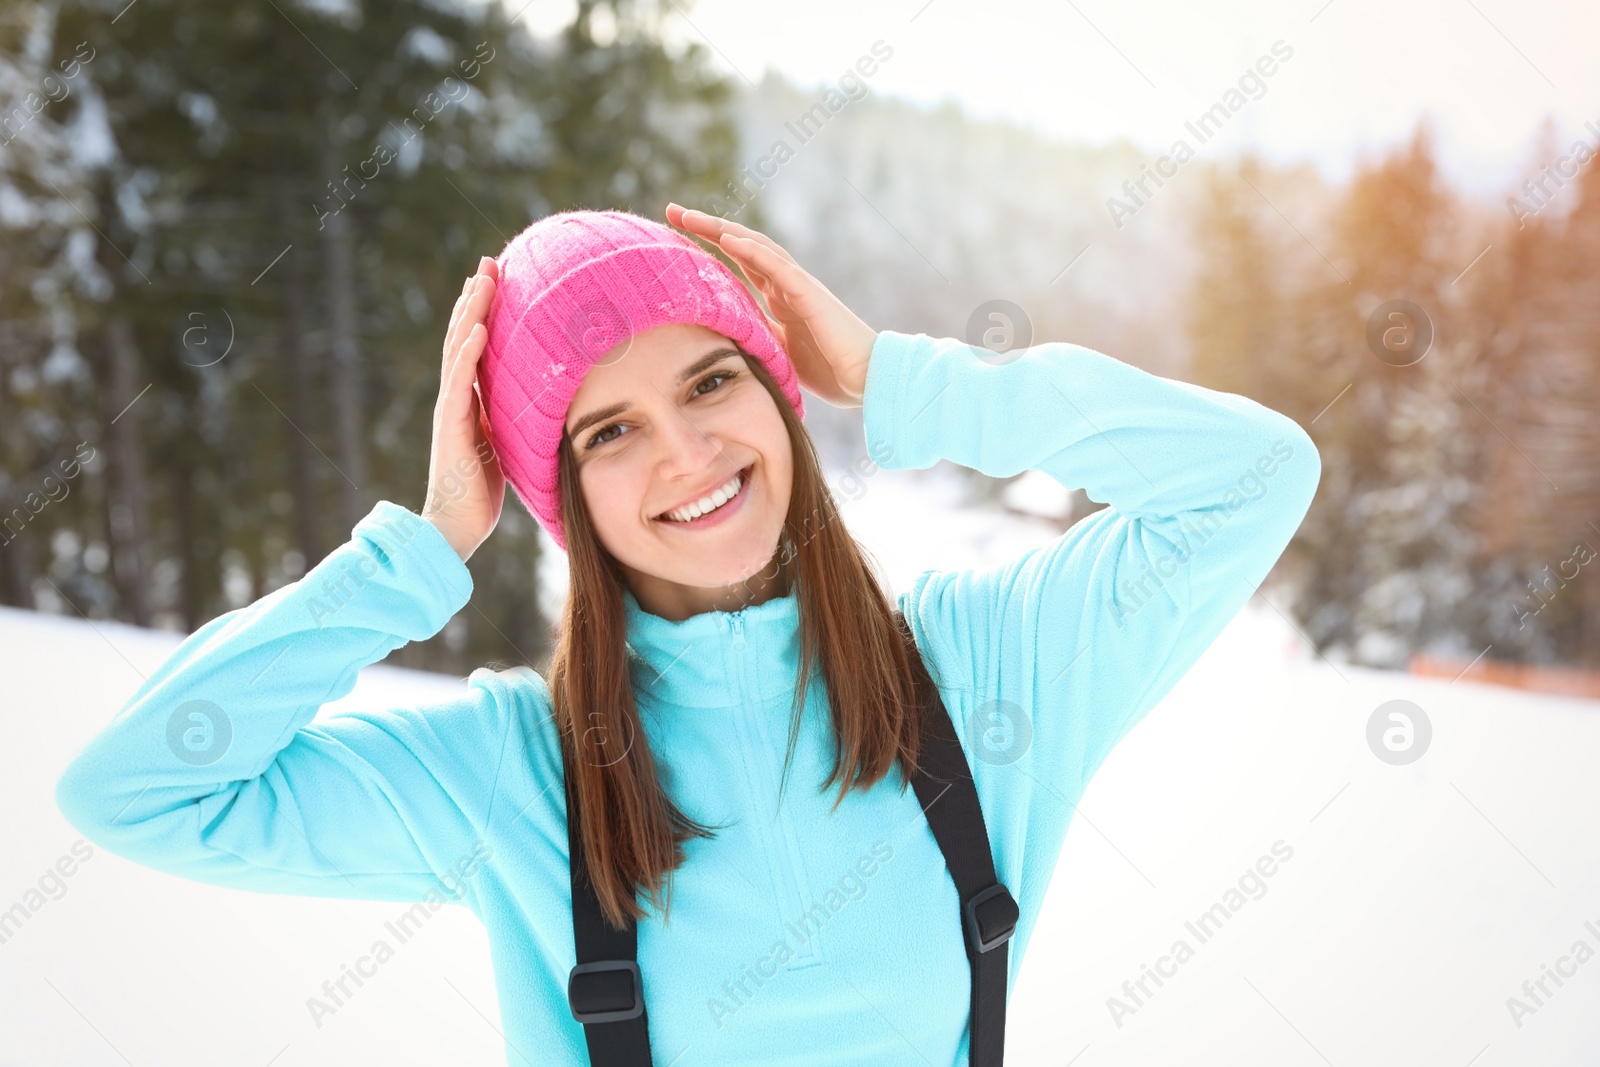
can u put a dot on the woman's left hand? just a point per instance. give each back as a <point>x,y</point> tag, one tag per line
<point>828,345</point>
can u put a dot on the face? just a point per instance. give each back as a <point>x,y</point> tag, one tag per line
<point>667,419</point>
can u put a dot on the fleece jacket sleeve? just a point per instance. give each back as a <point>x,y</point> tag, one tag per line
<point>1047,660</point>
<point>216,771</point>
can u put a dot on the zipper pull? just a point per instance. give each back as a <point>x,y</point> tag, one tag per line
<point>738,631</point>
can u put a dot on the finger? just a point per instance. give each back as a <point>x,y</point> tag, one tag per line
<point>477,302</point>
<point>455,319</point>
<point>712,235</point>
<point>713,228</point>
<point>486,453</point>
<point>755,275</point>
<point>487,268</point>
<point>472,348</point>
<point>739,230</point>
<point>782,276</point>
<point>479,299</point>
<point>455,311</point>
<point>456,397</point>
<point>774,304</point>
<point>742,252</point>
<point>465,317</point>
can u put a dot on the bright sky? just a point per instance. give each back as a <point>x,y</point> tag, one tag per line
<point>1361,72</point>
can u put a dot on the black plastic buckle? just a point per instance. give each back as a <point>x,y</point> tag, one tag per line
<point>990,917</point>
<point>606,991</point>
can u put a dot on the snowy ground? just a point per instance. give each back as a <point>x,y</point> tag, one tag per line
<point>1415,900</point>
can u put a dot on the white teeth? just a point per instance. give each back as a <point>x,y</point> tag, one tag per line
<point>717,498</point>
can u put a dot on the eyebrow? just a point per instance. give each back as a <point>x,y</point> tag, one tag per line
<point>705,362</point>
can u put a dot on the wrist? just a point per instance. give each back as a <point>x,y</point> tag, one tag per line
<point>451,538</point>
<point>856,386</point>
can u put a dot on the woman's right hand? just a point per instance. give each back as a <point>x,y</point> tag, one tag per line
<point>466,489</point>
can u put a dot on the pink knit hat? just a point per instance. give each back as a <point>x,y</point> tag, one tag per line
<point>573,286</point>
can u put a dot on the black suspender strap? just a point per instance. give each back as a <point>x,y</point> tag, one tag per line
<point>605,990</point>
<point>988,912</point>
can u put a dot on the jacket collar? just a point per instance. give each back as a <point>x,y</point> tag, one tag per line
<point>716,659</point>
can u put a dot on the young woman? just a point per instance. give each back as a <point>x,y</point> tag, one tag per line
<point>731,713</point>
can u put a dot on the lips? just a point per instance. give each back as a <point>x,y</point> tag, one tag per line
<point>744,480</point>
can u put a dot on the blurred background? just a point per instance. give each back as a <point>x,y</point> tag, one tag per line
<point>232,235</point>
<point>232,239</point>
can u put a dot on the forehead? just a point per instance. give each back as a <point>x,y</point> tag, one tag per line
<point>652,358</point>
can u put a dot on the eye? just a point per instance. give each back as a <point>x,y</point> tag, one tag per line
<point>596,439</point>
<point>717,376</point>
<point>721,374</point>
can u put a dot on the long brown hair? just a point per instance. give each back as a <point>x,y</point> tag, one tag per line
<point>631,832</point>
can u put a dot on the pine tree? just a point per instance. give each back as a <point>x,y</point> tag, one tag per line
<point>249,376</point>
<point>1388,544</point>
<point>1536,363</point>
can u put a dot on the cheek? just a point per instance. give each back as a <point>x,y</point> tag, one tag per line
<point>782,468</point>
<point>780,453</point>
<point>759,424</point>
<point>611,497</point>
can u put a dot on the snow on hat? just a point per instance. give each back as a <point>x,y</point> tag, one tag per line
<point>571,287</point>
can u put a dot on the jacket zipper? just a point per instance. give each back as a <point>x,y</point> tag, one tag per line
<point>792,897</point>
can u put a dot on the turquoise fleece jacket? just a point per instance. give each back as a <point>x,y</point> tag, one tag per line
<point>798,935</point>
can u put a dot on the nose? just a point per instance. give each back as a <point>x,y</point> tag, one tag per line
<point>688,450</point>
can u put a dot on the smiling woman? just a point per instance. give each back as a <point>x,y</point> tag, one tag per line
<point>691,501</point>
<point>685,464</point>
<point>622,379</point>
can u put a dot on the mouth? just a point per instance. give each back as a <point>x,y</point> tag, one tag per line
<point>717,515</point>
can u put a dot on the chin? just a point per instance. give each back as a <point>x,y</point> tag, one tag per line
<point>735,564</point>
